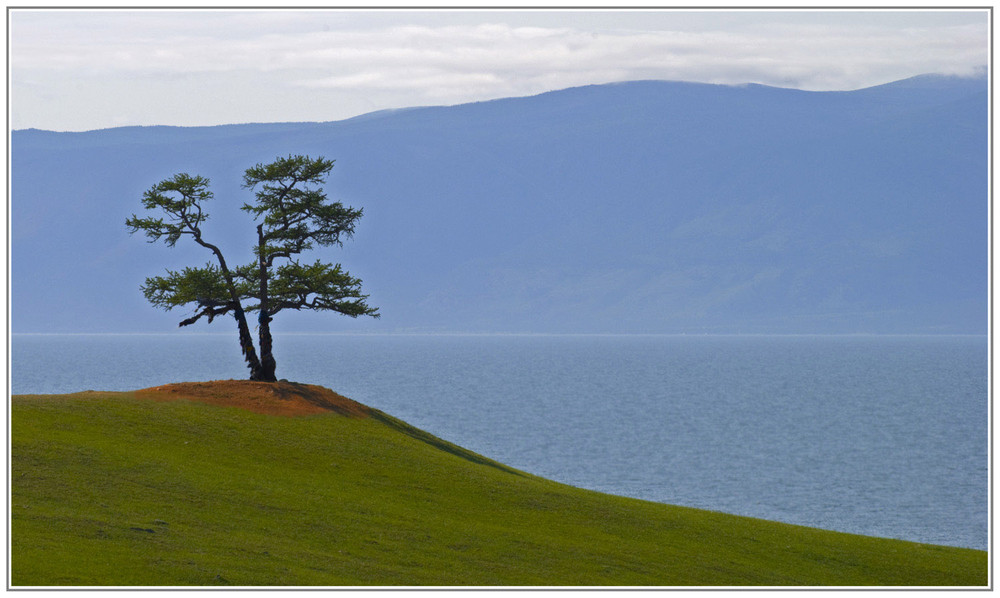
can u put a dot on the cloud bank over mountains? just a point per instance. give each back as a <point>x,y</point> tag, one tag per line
<point>216,67</point>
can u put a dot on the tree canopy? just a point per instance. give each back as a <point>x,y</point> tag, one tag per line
<point>294,215</point>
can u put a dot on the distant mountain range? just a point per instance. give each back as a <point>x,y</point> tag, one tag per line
<point>648,206</point>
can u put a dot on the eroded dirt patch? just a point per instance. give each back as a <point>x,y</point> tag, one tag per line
<point>269,398</point>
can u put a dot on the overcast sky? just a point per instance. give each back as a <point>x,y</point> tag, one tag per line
<point>75,70</point>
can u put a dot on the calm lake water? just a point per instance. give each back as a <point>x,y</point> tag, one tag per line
<point>876,435</point>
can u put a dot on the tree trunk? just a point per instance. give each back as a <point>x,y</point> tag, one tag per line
<point>267,363</point>
<point>246,341</point>
<point>246,344</point>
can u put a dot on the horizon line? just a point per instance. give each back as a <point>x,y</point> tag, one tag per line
<point>567,334</point>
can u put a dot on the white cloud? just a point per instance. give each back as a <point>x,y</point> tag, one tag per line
<point>395,59</point>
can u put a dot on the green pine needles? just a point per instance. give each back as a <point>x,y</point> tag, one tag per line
<point>294,215</point>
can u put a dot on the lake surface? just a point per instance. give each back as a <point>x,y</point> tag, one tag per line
<point>876,435</point>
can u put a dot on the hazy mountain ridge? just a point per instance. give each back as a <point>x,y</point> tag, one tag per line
<point>647,206</point>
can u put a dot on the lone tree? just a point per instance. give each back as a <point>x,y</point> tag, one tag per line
<point>294,214</point>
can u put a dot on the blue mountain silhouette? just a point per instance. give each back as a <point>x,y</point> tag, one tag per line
<point>648,206</point>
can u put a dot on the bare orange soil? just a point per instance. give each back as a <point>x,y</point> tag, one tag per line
<point>269,398</point>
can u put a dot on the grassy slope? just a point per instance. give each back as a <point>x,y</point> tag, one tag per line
<point>110,490</point>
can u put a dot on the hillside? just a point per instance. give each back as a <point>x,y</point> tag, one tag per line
<point>239,484</point>
<point>648,206</point>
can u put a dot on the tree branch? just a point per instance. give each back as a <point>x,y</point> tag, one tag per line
<point>211,311</point>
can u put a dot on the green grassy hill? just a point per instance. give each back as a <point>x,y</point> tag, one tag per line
<point>118,489</point>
